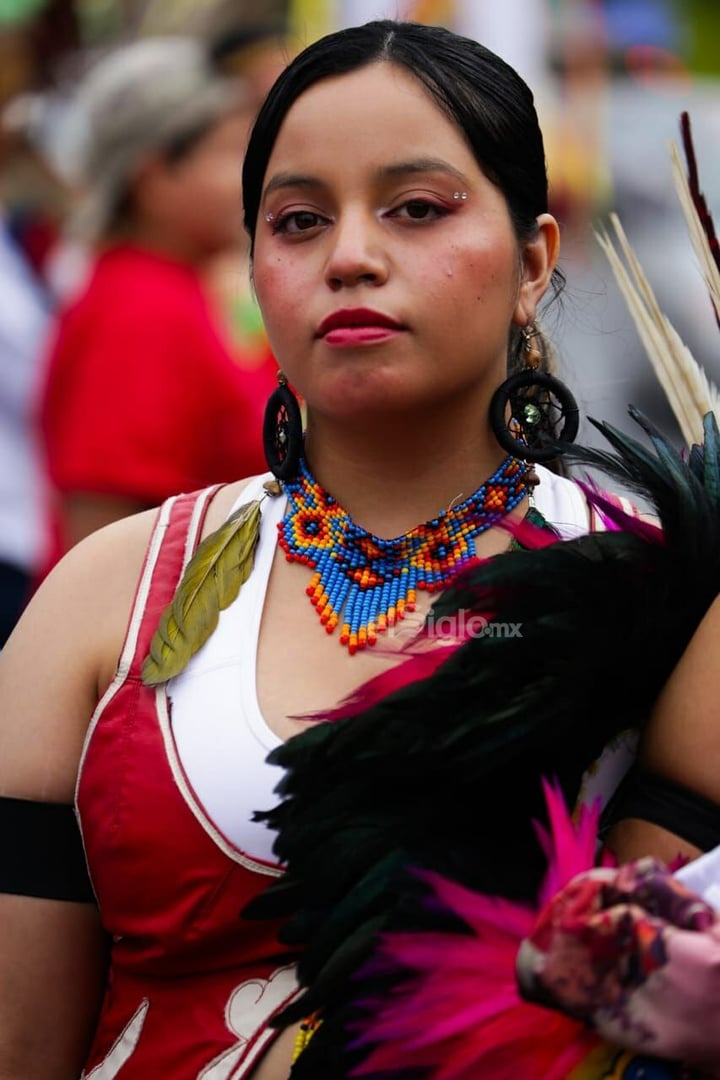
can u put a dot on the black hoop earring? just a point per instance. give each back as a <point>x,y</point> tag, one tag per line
<point>542,411</point>
<point>282,431</point>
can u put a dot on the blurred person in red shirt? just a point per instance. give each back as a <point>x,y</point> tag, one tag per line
<point>143,396</point>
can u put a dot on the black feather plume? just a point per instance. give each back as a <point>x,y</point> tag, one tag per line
<point>445,772</point>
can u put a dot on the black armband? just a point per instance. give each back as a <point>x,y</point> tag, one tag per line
<point>672,806</point>
<point>41,851</point>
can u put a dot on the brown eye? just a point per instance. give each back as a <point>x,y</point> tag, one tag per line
<point>304,220</point>
<point>298,221</point>
<point>421,210</point>
<point>418,210</point>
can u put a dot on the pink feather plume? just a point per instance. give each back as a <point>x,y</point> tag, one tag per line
<point>457,1011</point>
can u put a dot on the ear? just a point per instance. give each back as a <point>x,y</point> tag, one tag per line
<point>539,256</point>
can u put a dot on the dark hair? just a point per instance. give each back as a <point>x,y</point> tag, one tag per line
<point>481,94</point>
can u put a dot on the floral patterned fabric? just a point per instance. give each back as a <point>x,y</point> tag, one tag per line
<point>635,954</point>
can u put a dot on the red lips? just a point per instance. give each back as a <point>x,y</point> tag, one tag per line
<point>350,317</point>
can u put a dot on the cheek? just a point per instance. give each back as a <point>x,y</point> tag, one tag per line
<point>479,266</point>
<point>485,281</point>
<point>282,302</point>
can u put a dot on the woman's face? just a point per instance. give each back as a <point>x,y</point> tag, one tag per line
<point>386,264</point>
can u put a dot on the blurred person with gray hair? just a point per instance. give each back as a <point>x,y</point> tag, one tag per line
<point>143,396</point>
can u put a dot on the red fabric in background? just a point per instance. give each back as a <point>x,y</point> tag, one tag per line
<point>143,397</point>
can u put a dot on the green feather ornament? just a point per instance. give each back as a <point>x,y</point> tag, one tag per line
<point>212,580</point>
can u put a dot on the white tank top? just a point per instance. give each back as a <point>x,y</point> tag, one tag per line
<point>221,737</point>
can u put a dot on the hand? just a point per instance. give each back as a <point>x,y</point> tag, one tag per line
<point>634,953</point>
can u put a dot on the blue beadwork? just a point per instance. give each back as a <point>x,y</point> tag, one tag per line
<point>364,582</point>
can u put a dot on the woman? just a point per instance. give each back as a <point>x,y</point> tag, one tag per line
<point>395,196</point>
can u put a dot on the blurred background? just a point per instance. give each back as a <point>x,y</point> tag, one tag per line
<point>610,77</point>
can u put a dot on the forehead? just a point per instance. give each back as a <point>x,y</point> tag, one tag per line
<point>365,118</point>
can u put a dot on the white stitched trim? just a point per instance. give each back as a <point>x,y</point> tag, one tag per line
<point>123,1048</point>
<point>223,1066</point>
<point>233,853</point>
<point>249,1009</point>
<point>197,513</point>
<point>268,1035</point>
<point>133,629</point>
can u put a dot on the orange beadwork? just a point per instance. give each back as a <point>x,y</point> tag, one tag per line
<point>370,582</point>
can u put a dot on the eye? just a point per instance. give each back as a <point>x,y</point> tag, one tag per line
<point>419,210</point>
<point>295,222</point>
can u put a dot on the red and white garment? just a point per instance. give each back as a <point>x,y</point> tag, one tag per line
<point>191,985</point>
<point>168,782</point>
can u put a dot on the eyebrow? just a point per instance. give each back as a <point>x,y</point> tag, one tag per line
<point>401,168</point>
<point>423,165</point>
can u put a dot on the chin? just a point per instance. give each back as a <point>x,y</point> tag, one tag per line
<point>376,405</point>
<point>379,382</point>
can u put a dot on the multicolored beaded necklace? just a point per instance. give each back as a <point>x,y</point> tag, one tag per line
<point>369,582</point>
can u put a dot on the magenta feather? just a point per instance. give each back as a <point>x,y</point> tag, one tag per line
<point>421,664</point>
<point>570,844</point>
<point>616,519</point>
<point>457,1011</point>
<point>528,534</point>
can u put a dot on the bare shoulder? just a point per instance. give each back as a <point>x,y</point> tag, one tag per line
<point>63,654</point>
<point>96,581</point>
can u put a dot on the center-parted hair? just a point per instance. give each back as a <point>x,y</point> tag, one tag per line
<point>480,94</point>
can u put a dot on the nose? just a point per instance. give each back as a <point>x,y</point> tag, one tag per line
<point>357,254</point>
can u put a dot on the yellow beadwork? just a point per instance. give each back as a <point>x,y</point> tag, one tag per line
<point>305,1033</point>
